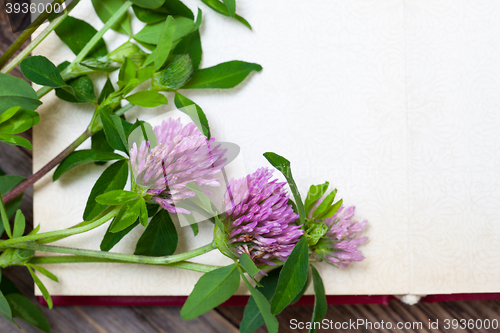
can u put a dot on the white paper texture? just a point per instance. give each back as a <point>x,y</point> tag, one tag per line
<point>394,102</point>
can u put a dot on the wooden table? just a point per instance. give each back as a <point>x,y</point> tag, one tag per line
<point>14,160</point>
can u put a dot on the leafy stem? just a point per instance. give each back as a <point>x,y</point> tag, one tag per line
<point>192,266</point>
<point>23,37</point>
<point>102,218</point>
<point>34,43</point>
<point>125,258</point>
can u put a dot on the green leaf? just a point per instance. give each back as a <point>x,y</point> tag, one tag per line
<point>150,34</point>
<point>5,309</point>
<point>112,238</point>
<point>283,166</point>
<point>165,43</point>
<point>170,7</point>
<point>151,4</point>
<point>293,276</point>
<point>150,58</point>
<point>15,140</point>
<point>147,98</point>
<point>116,197</point>
<point>127,215</point>
<point>127,71</point>
<point>332,210</point>
<point>201,198</point>
<point>42,288</point>
<point>16,92</point>
<point>100,143</point>
<point>222,76</point>
<point>196,114</point>
<point>191,45</point>
<point>113,178</point>
<point>25,310</point>
<point>106,91</point>
<point>231,7</point>
<point>160,237</point>
<point>175,75</point>
<point>19,224</point>
<point>44,272</point>
<point>264,307</point>
<point>80,90</point>
<point>19,122</point>
<point>249,266</point>
<point>221,8</point>
<point>195,228</point>
<point>325,204</point>
<point>5,219</point>
<point>320,305</point>
<point>113,128</point>
<point>211,290</point>
<point>42,71</point>
<point>83,156</point>
<point>7,183</point>
<point>76,34</point>
<point>8,287</point>
<point>252,318</point>
<point>143,215</point>
<point>314,194</point>
<point>105,9</point>
<point>9,113</point>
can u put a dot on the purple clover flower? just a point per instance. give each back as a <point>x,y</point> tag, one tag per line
<point>339,246</point>
<point>258,219</point>
<point>182,155</point>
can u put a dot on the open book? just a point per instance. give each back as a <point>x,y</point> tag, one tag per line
<point>395,103</point>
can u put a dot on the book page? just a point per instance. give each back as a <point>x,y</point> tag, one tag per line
<point>453,84</point>
<point>331,98</point>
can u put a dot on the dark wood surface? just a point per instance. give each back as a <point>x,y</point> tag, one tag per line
<point>15,160</point>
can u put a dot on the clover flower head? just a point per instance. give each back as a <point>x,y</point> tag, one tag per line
<point>339,246</point>
<point>258,219</point>
<point>182,155</point>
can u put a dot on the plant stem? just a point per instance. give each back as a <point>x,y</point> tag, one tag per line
<point>23,37</point>
<point>127,258</point>
<point>23,186</point>
<point>112,20</point>
<point>192,266</point>
<point>102,218</point>
<point>34,43</point>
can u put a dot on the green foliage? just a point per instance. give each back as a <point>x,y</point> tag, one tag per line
<point>252,317</point>
<point>105,9</point>
<point>320,305</point>
<point>191,45</point>
<point>249,266</point>
<point>264,308</point>
<point>79,90</point>
<point>196,114</point>
<point>211,290</point>
<point>76,33</point>
<point>165,43</point>
<point>147,98</point>
<point>283,165</point>
<point>14,121</point>
<point>7,183</point>
<point>150,4</point>
<point>28,312</point>
<point>293,277</point>
<point>151,33</point>
<point>113,128</point>
<point>314,194</point>
<point>42,288</point>
<point>128,214</point>
<point>222,76</point>
<point>117,197</point>
<point>112,238</point>
<point>222,8</point>
<point>175,75</point>
<point>231,7</point>
<point>113,178</point>
<point>42,71</point>
<point>128,50</point>
<point>83,156</point>
<point>160,237</point>
<point>170,7</point>
<point>16,92</point>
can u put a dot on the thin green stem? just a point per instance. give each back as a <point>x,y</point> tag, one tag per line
<point>102,218</point>
<point>34,43</point>
<point>192,266</point>
<point>123,109</point>
<point>23,37</point>
<point>128,258</point>
<point>111,22</point>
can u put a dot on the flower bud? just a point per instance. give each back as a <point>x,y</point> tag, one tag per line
<point>175,75</point>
